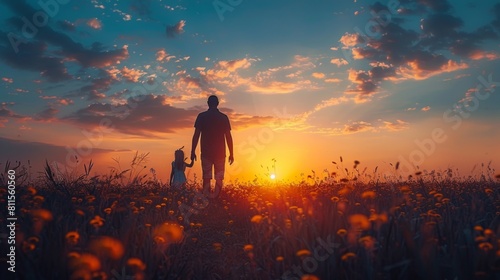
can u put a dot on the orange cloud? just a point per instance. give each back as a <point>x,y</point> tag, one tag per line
<point>395,126</point>
<point>131,74</point>
<point>94,23</point>
<point>339,61</point>
<point>318,75</point>
<point>334,101</point>
<point>479,54</point>
<point>333,80</point>
<point>350,40</point>
<point>162,55</point>
<point>243,121</point>
<point>357,127</point>
<point>277,87</point>
<point>176,29</point>
<point>414,70</point>
<point>358,53</point>
<point>233,65</point>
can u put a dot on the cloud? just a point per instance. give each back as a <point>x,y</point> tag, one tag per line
<point>355,127</point>
<point>34,55</point>
<point>277,87</point>
<point>339,61</point>
<point>57,100</point>
<point>144,115</point>
<point>151,116</point>
<point>395,126</point>
<point>94,23</point>
<point>282,79</point>
<point>47,115</point>
<point>362,126</point>
<point>31,57</point>
<point>242,121</point>
<point>351,39</point>
<point>480,54</point>
<point>8,80</point>
<point>333,80</point>
<point>66,25</point>
<point>364,85</point>
<point>176,29</point>
<point>396,53</point>
<point>438,25</point>
<point>334,101</point>
<point>318,75</point>
<point>412,7</point>
<point>426,108</point>
<point>456,77</point>
<point>234,65</point>
<point>417,70</point>
<point>228,75</point>
<point>6,114</point>
<point>131,74</point>
<point>98,86</point>
<point>206,81</point>
<point>436,5</point>
<point>162,55</point>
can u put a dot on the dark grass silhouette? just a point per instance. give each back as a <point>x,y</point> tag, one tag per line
<point>434,226</point>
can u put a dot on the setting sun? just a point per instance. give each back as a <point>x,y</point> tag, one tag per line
<point>273,176</point>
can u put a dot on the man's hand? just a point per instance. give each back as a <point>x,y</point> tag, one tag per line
<point>193,156</point>
<point>231,159</point>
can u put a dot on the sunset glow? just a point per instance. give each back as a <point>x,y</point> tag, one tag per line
<point>411,82</point>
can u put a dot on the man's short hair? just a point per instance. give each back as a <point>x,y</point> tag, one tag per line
<point>213,100</point>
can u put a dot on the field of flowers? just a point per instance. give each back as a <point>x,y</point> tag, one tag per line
<point>430,226</point>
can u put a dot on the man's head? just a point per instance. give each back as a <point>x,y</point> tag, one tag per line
<point>213,101</point>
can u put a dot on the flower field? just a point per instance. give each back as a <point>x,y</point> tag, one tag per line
<point>427,227</point>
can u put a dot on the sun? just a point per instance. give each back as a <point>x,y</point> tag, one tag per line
<point>272,176</point>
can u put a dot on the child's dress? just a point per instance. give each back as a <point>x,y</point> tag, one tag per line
<point>179,176</point>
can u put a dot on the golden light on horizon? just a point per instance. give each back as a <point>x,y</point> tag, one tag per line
<point>272,176</point>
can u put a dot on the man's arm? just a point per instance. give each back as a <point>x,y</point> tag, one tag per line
<point>194,143</point>
<point>229,140</point>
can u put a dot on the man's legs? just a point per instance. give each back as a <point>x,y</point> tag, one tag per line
<point>206,165</point>
<point>219,168</point>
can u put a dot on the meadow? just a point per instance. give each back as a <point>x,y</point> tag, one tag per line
<point>330,225</point>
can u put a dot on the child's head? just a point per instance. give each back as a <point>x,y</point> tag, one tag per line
<point>179,155</point>
<point>179,158</point>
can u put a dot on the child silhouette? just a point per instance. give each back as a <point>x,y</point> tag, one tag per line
<point>177,176</point>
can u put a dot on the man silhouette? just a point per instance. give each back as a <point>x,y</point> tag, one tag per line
<point>215,132</point>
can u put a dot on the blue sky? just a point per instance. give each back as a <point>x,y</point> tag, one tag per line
<point>287,72</point>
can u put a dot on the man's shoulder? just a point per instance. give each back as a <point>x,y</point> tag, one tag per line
<point>201,115</point>
<point>212,113</point>
<point>222,114</point>
<point>219,113</point>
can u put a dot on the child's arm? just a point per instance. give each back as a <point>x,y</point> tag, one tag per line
<point>171,175</point>
<point>191,164</point>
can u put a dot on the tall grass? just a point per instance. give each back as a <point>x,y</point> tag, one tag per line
<point>433,225</point>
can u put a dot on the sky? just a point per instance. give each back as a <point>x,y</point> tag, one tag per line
<point>302,82</point>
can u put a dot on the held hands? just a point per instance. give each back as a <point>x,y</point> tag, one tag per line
<point>193,156</point>
<point>231,159</point>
